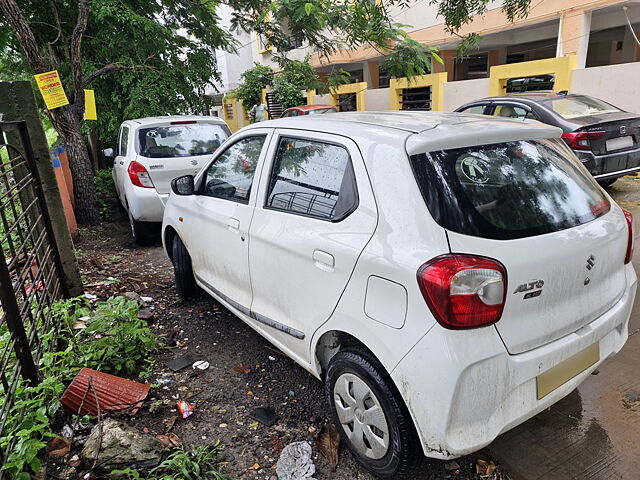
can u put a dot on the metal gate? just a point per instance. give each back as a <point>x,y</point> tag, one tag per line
<point>30,271</point>
<point>416,98</point>
<point>274,108</point>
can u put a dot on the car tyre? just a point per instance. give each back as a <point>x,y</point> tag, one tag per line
<point>142,232</point>
<point>359,390</point>
<point>183,269</point>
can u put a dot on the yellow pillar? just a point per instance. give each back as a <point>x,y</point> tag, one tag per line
<point>561,67</point>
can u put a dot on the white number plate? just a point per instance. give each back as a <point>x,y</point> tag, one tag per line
<point>619,143</point>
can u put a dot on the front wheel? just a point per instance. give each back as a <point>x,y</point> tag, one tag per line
<point>182,269</point>
<point>370,415</point>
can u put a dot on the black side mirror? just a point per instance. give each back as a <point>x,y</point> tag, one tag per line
<point>183,185</point>
<point>108,152</point>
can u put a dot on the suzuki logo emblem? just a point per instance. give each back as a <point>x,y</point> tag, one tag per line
<point>591,262</point>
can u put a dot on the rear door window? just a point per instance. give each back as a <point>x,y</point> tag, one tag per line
<point>312,178</point>
<point>508,190</point>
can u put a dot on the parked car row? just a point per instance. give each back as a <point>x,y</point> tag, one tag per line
<point>447,275</point>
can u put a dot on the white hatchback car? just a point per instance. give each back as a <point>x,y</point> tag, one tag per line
<point>448,275</point>
<point>153,151</point>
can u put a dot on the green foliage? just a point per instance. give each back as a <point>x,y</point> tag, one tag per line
<point>336,78</point>
<point>194,464</point>
<point>253,81</point>
<point>106,193</point>
<point>295,77</point>
<point>410,58</point>
<point>115,341</point>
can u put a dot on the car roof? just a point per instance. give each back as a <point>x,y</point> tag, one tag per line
<point>531,96</point>
<point>306,108</point>
<point>431,130</point>
<point>177,118</point>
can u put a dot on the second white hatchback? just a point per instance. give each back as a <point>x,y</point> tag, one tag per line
<point>447,275</point>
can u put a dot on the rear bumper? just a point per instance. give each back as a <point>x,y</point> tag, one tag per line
<point>463,388</point>
<point>146,204</point>
<point>606,167</point>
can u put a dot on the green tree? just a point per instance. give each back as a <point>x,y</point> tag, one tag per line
<point>152,40</point>
<point>253,81</point>
<point>295,77</point>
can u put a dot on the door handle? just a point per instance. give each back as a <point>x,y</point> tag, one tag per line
<point>323,260</point>
<point>233,223</point>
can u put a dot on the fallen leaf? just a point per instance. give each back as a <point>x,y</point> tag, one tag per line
<point>59,447</point>
<point>255,466</point>
<point>452,466</point>
<point>170,441</point>
<point>242,368</point>
<point>171,422</point>
<point>277,444</point>
<point>328,443</point>
<point>484,467</point>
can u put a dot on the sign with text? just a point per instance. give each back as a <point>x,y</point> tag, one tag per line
<point>52,90</point>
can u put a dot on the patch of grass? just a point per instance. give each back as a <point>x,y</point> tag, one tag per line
<point>106,193</point>
<point>184,464</point>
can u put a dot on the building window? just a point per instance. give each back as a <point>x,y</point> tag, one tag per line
<point>296,41</point>
<point>383,78</point>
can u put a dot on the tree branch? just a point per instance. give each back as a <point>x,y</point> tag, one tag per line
<point>25,35</point>
<point>112,67</point>
<point>76,54</point>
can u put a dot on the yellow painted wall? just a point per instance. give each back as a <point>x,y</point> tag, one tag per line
<point>561,67</point>
<point>434,80</point>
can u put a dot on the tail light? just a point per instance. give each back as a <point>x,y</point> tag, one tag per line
<point>629,254</point>
<point>139,175</point>
<point>464,291</point>
<point>581,140</point>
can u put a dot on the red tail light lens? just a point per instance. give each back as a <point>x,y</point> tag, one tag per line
<point>464,291</point>
<point>139,175</point>
<point>629,218</point>
<point>581,140</point>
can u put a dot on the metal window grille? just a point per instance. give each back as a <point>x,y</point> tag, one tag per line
<point>531,84</point>
<point>416,98</point>
<point>347,102</point>
<point>275,109</point>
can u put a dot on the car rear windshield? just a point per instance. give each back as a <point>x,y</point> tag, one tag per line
<point>321,110</point>
<point>508,190</point>
<point>170,141</point>
<point>579,106</point>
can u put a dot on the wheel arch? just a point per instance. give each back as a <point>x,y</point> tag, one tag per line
<point>167,239</point>
<point>333,341</point>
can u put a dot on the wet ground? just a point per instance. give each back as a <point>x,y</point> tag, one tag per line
<point>592,434</point>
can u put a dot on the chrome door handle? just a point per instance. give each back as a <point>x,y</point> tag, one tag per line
<point>323,260</point>
<point>233,223</point>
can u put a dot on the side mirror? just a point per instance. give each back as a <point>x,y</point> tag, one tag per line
<point>108,152</point>
<point>183,185</point>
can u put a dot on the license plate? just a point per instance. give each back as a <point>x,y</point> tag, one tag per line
<point>556,376</point>
<point>619,143</point>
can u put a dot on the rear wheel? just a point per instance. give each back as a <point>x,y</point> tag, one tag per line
<point>370,415</point>
<point>142,232</point>
<point>182,269</point>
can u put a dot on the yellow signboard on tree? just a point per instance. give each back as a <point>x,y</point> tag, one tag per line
<point>52,90</point>
<point>90,105</point>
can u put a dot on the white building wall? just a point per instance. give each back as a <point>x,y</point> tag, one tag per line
<point>378,99</point>
<point>616,84</point>
<point>463,91</point>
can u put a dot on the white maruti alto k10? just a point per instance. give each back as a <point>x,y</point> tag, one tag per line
<point>151,152</point>
<point>447,275</point>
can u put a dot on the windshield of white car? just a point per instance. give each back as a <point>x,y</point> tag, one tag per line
<point>579,106</point>
<point>170,141</point>
<point>508,190</point>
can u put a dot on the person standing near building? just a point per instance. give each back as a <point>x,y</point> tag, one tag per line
<point>258,111</point>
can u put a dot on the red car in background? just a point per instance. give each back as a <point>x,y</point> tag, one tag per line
<point>308,110</point>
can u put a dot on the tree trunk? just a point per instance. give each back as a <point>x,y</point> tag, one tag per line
<point>67,124</point>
